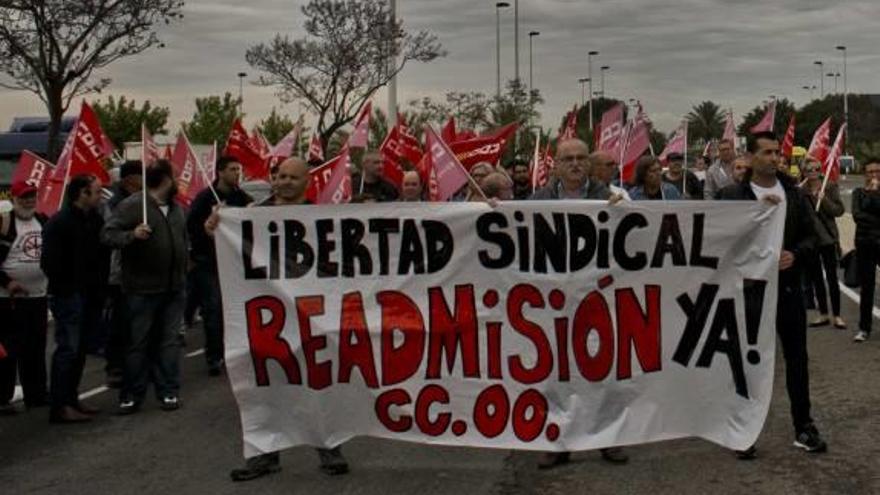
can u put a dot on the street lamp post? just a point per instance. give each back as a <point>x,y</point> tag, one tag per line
<point>498,7</point>
<point>532,35</point>
<point>821,78</point>
<point>241,76</point>
<point>590,56</point>
<point>392,65</point>
<point>584,81</point>
<point>604,69</point>
<point>834,75</point>
<point>845,93</point>
<point>516,39</point>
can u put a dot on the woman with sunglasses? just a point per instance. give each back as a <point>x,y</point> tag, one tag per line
<point>827,242</point>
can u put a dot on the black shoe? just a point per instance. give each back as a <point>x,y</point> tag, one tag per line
<point>256,467</point>
<point>809,440</point>
<point>749,454</point>
<point>554,459</point>
<point>332,461</point>
<point>127,407</point>
<point>215,368</point>
<point>614,455</point>
<point>170,403</point>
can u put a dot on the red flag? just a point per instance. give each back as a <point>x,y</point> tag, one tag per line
<point>149,149</point>
<point>465,134</point>
<point>187,171</point>
<point>259,143</point>
<point>539,173</point>
<point>398,146</point>
<point>487,148</point>
<point>209,162</point>
<point>108,147</point>
<point>766,123</point>
<point>570,129</point>
<point>788,141</point>
<point>361,134</point>
<point>316,151</point>
<point>86,152</point>
<point>450,174</point>
<point>392,172</point>
<point>254,165</point>
<point>675,145</point>
<point>331,182</point>
<point>821,141</point>
<point>612,128</point>
<point>285,148</point>
<point>729,129</point>
<point>38,173</point>
<point>637,142</point>
<point>448,132</point>
<point>831,167</point>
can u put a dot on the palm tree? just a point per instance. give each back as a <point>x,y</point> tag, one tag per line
<point>705,122</point>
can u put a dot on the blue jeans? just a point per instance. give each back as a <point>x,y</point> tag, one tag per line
<point>153,346</point>
<point>207,284</point>
<point>74,326</point>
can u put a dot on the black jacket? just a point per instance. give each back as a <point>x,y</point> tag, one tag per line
<point>595,190</point>
<point>73,258</point>
<point>382,190</point>
<point>201,248</point>
<point>799,237</point>
<point>866,213</point>
<point>157,264</point>
<point>7,237</point>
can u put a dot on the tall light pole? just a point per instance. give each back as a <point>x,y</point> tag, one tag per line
<point>590,56</point>
<point>498,7</point>
<point>241,76</point>
<point>532,35</point>
<point>834,75</point>
<point>812,90</point>
<point>821,78</point>
<point>392,65</point>
<point>845,93</point>
<point>604,69</point>
<point>516,39</point>
<point>584,81</point>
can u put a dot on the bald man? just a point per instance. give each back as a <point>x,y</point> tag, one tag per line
<point>411,187</point>
<point>371,180</point>
<point>478,172</point>
<point>288,189</point>
<point>497,185</point>
<point>573,175</point>
<point>603,169</point>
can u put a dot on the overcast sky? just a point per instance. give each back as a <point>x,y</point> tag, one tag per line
<point>671,54</point>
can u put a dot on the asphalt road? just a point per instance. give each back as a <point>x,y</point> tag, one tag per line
<point>190,451</point>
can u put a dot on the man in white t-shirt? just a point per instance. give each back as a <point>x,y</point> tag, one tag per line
<point>23,312</point>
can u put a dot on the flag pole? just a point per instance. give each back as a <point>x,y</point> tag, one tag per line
<point>835,153</point>
<point>202,167</point>
<point>466,173</point>
<point>144,173</point>
<point>535,159</point>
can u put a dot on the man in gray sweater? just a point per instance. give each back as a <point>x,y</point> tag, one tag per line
<point>154,261</point>
<point>720,174</point>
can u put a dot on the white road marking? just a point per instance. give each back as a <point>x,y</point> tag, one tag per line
<point>855,298</point>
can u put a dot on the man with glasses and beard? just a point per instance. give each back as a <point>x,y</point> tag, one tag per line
<point>154,259</point>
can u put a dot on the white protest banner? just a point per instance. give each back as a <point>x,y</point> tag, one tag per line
<point>566,325</point>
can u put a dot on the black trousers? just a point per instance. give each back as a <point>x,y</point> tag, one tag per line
<point>822,268</point>
<point>867,259</point>
<point>791,327</point>
<point>23,324</point>
<point>117,321</point>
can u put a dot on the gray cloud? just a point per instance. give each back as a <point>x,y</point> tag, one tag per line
<point>670,54</point>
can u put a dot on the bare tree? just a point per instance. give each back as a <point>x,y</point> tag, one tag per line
<point>52,47</point>
<point>347,54</point>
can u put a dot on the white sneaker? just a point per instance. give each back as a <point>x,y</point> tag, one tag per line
<point>861,336</point>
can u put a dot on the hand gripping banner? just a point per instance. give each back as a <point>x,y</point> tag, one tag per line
<point>534,325</point>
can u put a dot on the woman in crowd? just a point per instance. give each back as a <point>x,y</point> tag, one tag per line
<point>649,183</point>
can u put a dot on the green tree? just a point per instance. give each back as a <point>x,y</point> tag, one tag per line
<point>516,105</point>
<point>52,48</point>
<point>212,119</point>
<point>705,122</point>
<point>121,119</point>
<point>351,49</point>
<point>471,110</point>
<point>276,126</point>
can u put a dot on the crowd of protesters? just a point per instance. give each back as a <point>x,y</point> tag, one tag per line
<point>123,277</point>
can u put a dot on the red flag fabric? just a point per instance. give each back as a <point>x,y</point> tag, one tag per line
<point>675,145</point>
<point>612,129</point>
<point>209,162</point>
<point>86,153</point>
<point>331,182</point>
<point>392,172</point>
<point>398,146</point>
<point>187,171</point>
<point>766,123</point>
<point>729,129</point>
<point>570,129</point>
<point>316,151</point>
<point>259,143</point>
<point>238,146</point>
<point>285,148</point>
<point>788,140</point>
<point>819,146</point>
<point>108,147</point>
<point>450,174</point>
<point>448,132</point>
<point>465,134</point>
<point>538,173</point>
<point>831,167</point>
<point>38,172</point>
<point>168,153</point>
<point>149,149</point>
<point>361,134</point>
<point>638,141</point>
<point>487,148</point>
